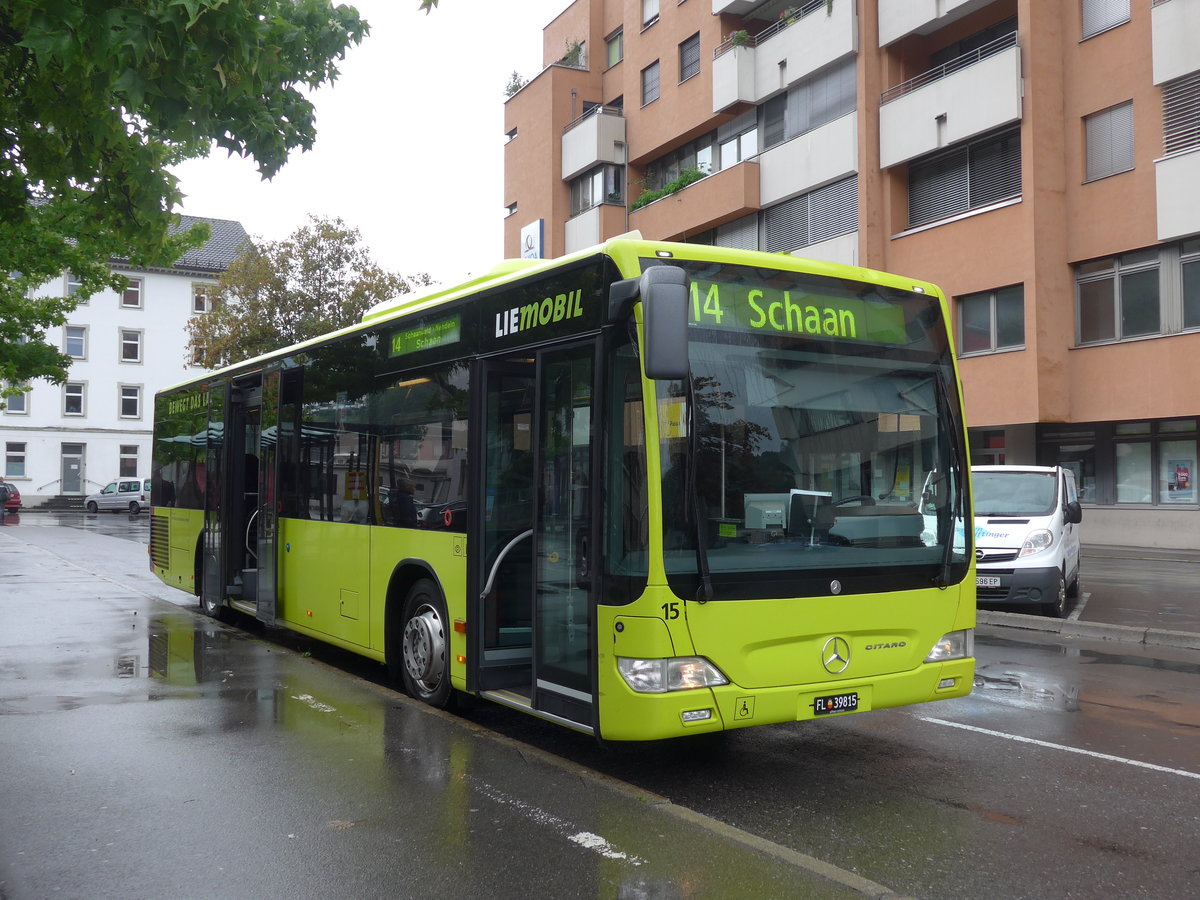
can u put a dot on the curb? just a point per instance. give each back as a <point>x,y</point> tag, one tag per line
<point>1152,637</point>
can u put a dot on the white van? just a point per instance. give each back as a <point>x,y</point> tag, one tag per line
<point>1026,535</point>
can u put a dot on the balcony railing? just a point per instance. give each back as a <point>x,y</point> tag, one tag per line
<point>594,111</point>
<point>999,45</point>
<point>787,18</point>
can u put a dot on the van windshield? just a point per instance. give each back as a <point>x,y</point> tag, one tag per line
<point>1014,493</point>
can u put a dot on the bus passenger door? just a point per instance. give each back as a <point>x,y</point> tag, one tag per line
<point>502,528</point>
<point>563,564</point>
<point>268,509</point>
<point>212,586</point>
<point>531,546</point>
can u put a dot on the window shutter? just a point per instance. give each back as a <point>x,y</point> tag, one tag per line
<point>1181,113</point>
<point>1100,15</point>
<point>995,170</point>
<point>833,210</point>
<point>938,188</point>
<point>786,225</point>
<point>741,234</point>
<point>1109,136</point>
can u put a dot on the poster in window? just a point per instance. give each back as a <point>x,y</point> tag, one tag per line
<point>1180,488</point>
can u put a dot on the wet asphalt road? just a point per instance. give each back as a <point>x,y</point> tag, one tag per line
<point>161,754</point>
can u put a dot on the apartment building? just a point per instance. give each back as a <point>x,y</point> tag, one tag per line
<point>74,438</point>
<point>1039,159</point>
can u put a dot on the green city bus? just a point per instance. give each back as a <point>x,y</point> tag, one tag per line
<point>645,490</point>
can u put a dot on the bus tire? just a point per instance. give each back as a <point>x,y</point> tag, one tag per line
<point>424,652</point>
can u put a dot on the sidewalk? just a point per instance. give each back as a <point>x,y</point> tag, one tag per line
<point>1145,595</point>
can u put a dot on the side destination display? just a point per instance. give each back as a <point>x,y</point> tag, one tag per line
<point>426,336</point>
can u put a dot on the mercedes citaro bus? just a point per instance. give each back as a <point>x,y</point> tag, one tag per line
<point>644,490</point>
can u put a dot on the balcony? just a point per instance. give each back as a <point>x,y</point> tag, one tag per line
<point>821,156</point>
<point>598,136</point>
<point>898,18</point>
<point>1174,25</point>
<point>712,201</point>
<point>968,96</point>
<point>1175,180</point>
<point>748,69</point>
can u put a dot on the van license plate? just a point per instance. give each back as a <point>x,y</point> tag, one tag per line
<point>835,703</point>
<point>987,581</point>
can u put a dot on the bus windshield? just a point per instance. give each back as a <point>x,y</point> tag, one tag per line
<point>792,461</point>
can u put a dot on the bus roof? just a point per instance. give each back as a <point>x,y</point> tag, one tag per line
<point>626,250</point>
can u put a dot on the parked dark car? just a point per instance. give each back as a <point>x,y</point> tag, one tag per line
<point>10,497</point>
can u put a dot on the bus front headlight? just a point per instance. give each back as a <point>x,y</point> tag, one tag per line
<point>955,645</point>
<point>657,676</point>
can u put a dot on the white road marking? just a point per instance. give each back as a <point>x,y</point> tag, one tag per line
<point>1025,740</point>
<point>1079,605</point>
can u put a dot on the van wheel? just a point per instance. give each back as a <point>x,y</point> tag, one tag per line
<point>134,509</point>
<point>1058,607</point>
<point>424,646</point>
<point>92,507</point>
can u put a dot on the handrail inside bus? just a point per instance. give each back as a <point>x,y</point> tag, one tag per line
<point>487,588</point>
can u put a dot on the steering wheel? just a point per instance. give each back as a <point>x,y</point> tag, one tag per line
<point>864,499</point>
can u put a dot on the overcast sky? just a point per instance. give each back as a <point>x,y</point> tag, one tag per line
<point>409,139</point>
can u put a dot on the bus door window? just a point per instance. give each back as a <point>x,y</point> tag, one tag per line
<point>508,508</point>
<point>564,551</point>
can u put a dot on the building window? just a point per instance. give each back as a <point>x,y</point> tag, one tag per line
<point>811,218</point>
<point>127,464</point>
<point>203,297</point>
<point>1155,462</point>
<point>131,297</point>
<point>1109,138</point>
<point>17,404</point>
<point>650,83</point>
<point>809,104</point>
<point>1181,114</point>
<point>615,47</point>
<point>1101,15</point>
<point>14,460</point>
<point>131,345</point>
<point>689,57</point>
<point>131,401</point>
<point>965,178</point>
<point>737,140</point>
<point>75,341</point>
<point>1190,264</point>
<point>510,210</point>
<point>992,320</point>
<point>1118,298</point>
<point>649,12</point>
<point>698,155</point>
<point>73,285</point>
<point>602,184</point>
<point>510,135</point>
<point>74,394</point>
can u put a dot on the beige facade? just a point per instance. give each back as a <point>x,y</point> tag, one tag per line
<point>1036,158</point>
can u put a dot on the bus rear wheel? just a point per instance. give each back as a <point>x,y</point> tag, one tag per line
<point>425,645</point>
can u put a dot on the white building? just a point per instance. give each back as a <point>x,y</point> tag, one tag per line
<point>74,438</point>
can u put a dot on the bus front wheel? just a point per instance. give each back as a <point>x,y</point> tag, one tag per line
<point>425,645</point>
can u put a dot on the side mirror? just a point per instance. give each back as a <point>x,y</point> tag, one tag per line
<point>1073,513</point>
<point>664,292</point>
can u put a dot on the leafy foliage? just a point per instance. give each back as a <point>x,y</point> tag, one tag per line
<point>686,177</point>
<point>277,293</point>
<point>96,100</point>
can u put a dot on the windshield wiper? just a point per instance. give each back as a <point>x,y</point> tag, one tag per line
<point>692,509</point>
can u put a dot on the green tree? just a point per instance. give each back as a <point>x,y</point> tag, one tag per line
<point>98,99</point>
<point>277,293</point>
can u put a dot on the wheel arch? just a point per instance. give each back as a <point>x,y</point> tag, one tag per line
<point>406,573</point>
